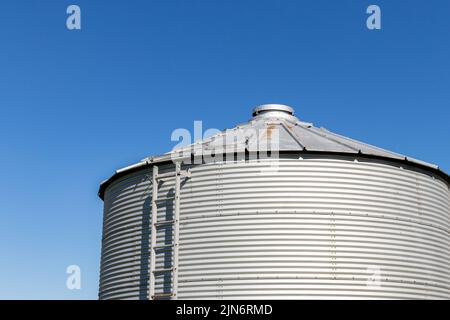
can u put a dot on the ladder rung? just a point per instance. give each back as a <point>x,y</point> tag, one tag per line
<point>162,270</point>
<point>162,223</point>
<point>165,175</point>
<point>165,199</point>
<point>173,174</point>
<point>161,246</point>
<point>157,295</point>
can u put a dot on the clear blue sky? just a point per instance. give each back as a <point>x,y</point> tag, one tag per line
<point>76,105</point>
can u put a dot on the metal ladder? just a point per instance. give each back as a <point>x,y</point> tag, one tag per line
<point>155,225</point>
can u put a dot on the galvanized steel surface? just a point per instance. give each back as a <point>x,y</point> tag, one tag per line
<point>319,227</point>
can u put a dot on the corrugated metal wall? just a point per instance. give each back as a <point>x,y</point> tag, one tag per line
<point>316,228</point>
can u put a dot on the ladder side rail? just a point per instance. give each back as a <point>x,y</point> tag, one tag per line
<point>176,228</point>
<point>153,232</point>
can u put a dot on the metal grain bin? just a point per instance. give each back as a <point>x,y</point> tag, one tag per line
<point>328,217</point>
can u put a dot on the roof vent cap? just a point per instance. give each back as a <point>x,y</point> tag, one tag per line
<point>273,110</point>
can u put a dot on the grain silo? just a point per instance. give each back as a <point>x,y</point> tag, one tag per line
<point>321,217</point>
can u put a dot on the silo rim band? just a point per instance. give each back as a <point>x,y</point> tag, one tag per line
<point>165,159</point>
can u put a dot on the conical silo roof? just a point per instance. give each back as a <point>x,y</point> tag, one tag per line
<point>292,135</point>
